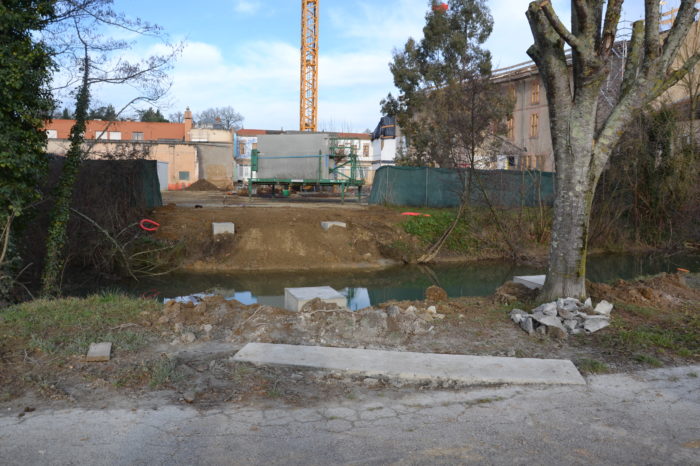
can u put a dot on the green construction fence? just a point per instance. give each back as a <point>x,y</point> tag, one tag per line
<point>442,187</point>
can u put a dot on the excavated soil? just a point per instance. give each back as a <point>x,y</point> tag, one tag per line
<point>287,238</point>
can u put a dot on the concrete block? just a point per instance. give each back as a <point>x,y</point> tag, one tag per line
<point>221,228</point>
<point>327,225</point>
<point>530,281</point>
<point>99,352</point>
<point>416,366</point>
<point>295,298</point>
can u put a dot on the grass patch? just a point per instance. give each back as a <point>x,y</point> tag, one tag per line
<point>648,360</point>
<point>429,229</point>
<point>67,326</point>
<point>592,366</point>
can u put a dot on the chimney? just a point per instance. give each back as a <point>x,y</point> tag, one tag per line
<point>188,123</point>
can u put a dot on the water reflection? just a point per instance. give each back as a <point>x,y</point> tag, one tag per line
<point>365,288</point>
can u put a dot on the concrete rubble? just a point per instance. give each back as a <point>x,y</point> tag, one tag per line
<point>563,317</point>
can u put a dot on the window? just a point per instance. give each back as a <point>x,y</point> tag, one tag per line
<point>137,136</point>
<point>184,176</point>
<point>365,149</point>
<point>241,149</point>
<point>535,98</point>
<point>534,125</point>
<point>51,134</point>
<point>101,134</point>
<point>255,146</point>
<point>115,135</point>
<point>509,128</point>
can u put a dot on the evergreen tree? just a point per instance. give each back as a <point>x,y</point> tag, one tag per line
<point>151,115</point>
<point>25,102</point>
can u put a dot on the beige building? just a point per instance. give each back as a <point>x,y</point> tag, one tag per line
<point>181,158</point>
<point>528,128</point>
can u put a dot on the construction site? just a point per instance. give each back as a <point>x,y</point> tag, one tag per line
<point>272,296</point>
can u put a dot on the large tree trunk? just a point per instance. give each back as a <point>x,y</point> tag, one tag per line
<point>566,275</point>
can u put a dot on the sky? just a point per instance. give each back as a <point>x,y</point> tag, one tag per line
<point>245,54</point>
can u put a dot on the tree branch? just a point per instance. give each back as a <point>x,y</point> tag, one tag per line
<point>634,58</point>
<point>681,26</point>
<point>652,43</point>
<point>558,26</point>
<point>612,19</point>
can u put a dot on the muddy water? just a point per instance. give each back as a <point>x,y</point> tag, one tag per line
<point>399,283</point>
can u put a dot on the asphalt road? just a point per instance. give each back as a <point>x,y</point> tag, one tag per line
<point>650,417</point>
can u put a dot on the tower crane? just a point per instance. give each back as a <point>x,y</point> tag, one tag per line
<point>308,112</point>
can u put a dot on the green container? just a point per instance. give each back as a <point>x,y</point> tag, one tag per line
<point>285,193</point>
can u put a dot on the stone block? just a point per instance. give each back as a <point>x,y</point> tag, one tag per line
<point>99,352</point>
<point>530,281</point>
<point>224,227</point>
<point>295,298</point>
<point>327,225</point>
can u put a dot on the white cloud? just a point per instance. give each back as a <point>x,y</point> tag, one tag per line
<point>247,6</point>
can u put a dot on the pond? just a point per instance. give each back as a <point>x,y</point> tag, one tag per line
<point>365,288</point>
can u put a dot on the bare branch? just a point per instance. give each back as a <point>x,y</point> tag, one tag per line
<point>652,43</point>
<point>676,75</point>
<point>612,19</point>
<point>681,26</point>
<point>634,58</point>
<point>558,26</point>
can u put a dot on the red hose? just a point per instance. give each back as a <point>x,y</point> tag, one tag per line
<point>145,222</point>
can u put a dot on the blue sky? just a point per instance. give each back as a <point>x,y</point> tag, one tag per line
<point>245,53</point>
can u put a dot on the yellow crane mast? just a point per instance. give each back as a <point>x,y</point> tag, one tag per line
<point>308,113</point>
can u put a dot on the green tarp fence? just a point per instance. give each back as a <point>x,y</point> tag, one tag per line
<point>442,187</point>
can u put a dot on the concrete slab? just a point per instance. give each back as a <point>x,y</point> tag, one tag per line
<point>99,352</point>
<point>223,227</point>
<point>327,225</point>
<point>530,281</point>
<point>295,298</point>
<point>417,366</point>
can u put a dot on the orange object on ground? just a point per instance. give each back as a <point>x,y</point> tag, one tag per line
<point>415,214</point>
<point>683,270</point>
<point>146,221</point>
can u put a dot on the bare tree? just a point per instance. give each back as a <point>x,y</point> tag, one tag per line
<point>86,52</point>
<point>176,117</point>
<point>582,146</point>
<point>227,117</point>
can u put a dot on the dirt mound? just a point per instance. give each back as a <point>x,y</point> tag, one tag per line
<point>435,294</point>
<point>202,185</point>
<point>289,238</point>
<point>663,291</point>
<point>510,292</point>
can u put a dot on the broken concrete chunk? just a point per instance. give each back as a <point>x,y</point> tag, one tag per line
<point>549,321</point>
<point>222,228</point>
<point>327,225</point>
<point>549,309</point>
<point>526,324</point>
<point>588,304</point>
<point>604,308</point>
<point>99,352</point>
<point>568,304</point>
<point>593,324</point>
<point>564,314</point>
<point>570,324</point>
<point>516,315</point>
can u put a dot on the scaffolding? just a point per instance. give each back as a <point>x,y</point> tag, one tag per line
<point>339,167</point>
